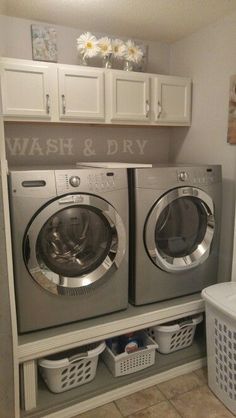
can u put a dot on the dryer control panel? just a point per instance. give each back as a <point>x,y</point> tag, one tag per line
<point>197,176</point>
<point>165,177</point>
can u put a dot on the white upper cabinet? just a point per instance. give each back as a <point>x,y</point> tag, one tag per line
<point>172,100</point>
<point>81,93</point>
<point>25,90</point>
<point>129,96</point>
<point>33,90</point>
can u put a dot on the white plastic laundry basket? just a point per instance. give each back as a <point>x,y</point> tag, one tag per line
<point>221,341</point>
<point>127,363</point>
<point>69,369</point>
<point>175,335</point>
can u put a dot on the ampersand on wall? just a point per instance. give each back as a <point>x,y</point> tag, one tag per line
<point>88,148</point>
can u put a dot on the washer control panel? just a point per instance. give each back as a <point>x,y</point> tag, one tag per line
<point>88,181</point>
<point>74,181</point>
<point>101,181</point>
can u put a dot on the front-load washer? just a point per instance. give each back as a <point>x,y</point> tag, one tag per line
<point>70,244</point>
<point>174,236</point>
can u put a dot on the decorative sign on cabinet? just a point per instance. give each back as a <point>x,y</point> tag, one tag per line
<point>58,93</point>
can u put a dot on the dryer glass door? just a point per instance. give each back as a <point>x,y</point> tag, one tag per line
<point>70,246</point>
<point>180,229</point>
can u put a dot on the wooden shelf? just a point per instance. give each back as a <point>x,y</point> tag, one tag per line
<point>41,343</point>
<point>105,383</point>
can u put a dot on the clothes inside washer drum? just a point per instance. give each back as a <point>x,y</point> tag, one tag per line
<point>74,241</point>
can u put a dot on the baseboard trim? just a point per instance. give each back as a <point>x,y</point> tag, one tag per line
<point>126,390</point>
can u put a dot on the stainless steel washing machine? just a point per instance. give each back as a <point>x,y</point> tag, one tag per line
<point>175,214</point>
<point>70,244</point>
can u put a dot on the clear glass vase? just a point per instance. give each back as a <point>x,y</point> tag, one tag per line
<point>128,66</point>
<point>107,63</point>
<point>84,60</point>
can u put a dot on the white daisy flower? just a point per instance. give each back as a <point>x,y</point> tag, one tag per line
<point>118,48</point>
<point>105,46</point>
<point>87,45</point>
<point>133,52</point>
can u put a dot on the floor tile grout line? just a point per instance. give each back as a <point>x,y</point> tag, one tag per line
<point>182,393</point>
<point>187,391</point>
<point>173,406</point>
<point>206,385</point>
<point>165,398</point>
<point>155,403</point>
<point>142,409</point>
<point>118,409</point>
<point>202,379</point>
<point>150,406</point>
<point>161,391</point>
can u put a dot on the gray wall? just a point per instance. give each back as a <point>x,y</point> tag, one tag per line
<point>3,6</point>
<point>37,144</point>
<point>209,58</point>
<point>17,38</point>
<point>3,51</point>
<point>110,143</point>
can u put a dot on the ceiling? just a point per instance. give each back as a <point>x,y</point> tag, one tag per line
<point>158,20</point>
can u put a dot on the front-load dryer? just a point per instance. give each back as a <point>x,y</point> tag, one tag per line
<point>70,244</point>
<point>174,237</point>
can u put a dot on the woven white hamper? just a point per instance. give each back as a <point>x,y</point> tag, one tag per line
<point>67,370</point>
<point>221,341</point>
<point>175,335</point>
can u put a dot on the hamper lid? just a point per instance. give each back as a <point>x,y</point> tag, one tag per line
<point>222,296</point>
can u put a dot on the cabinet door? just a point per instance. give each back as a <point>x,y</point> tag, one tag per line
<point>25,90</point>
<point>172,100</point>
<point>130,97</point>
<point>81,93</point>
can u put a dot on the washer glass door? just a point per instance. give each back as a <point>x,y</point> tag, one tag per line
<point>69,247</point>
<point>180,229</point>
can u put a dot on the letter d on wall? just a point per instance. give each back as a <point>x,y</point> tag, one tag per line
<point>112,146</point>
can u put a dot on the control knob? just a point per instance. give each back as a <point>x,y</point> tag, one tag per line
<point>182,176</point>
<point>74,181</point>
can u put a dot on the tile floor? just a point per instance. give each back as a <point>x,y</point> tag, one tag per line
<point>186,396</point>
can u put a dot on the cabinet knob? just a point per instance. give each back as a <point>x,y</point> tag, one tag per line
<point>63,99</point>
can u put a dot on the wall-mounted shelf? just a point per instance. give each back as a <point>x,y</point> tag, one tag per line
<point>41,343</point>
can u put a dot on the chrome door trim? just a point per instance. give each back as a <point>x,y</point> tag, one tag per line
<point>56,283</point>
<point>175,264</point>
